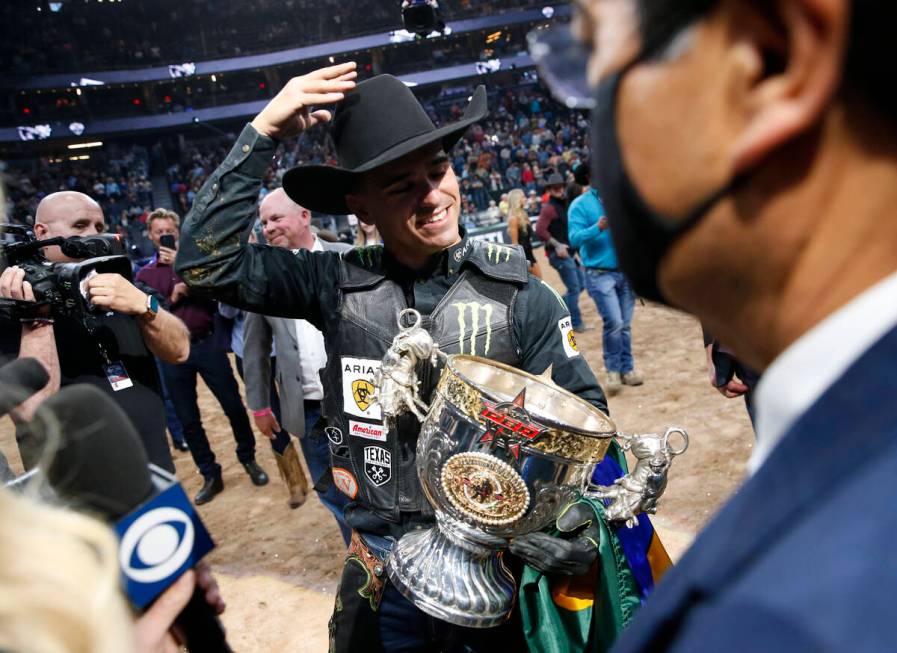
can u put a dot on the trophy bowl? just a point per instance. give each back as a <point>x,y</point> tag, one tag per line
<point>500,453</point>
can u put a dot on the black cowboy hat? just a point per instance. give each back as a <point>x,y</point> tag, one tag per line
<point>378,122</point>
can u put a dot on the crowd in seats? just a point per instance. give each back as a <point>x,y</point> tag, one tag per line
<point>105,36</point>
<point>526,135</point>
<point>117,177</point>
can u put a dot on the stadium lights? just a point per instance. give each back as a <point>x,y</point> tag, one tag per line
<point>81,157</point>
<point>82,146</point>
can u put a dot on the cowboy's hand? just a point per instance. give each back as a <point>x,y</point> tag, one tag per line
<point>572,552</point>
<point>562,251</point>
<point>289,113</point>
<point>115,293</point>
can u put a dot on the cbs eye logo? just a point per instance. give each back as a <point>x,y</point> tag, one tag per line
<point>156,545</point>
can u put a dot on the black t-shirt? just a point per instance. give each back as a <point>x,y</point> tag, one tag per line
<point>80,361</point>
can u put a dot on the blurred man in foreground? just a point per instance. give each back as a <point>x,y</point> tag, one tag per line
<point>758,192</point>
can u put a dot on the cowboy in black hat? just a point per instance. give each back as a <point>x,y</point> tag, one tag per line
<point>477,298</point>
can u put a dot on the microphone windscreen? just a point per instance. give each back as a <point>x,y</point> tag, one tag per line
<point>101,464</point>
<point>19,380</point>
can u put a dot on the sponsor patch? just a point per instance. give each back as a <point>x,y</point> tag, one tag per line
<point>567,337</point>
<point>472,316</point>
<point>334,435</point>
<point>358,387</point>
<point>368,431</point>
<point>345,482</point>
<point>377,465</point>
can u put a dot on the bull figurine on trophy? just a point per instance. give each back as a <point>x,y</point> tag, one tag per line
<point>500,453</point>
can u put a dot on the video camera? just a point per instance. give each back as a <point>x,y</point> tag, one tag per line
<point>58,284</point>
<point>422,17</point>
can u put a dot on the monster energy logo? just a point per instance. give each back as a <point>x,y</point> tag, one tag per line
<point>474,309</point>
<point>366,254</point>
<point>495,252</point>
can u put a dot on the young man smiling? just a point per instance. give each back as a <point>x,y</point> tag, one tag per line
<point>477,298</point>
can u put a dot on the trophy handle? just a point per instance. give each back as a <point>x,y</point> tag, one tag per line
<point>640,490</point>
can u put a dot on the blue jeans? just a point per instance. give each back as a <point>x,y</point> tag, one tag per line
<point>615,301</point>
<point>317,456</point>
<point>171,417</point>
<point>571,275</point>
<point>213,366</point>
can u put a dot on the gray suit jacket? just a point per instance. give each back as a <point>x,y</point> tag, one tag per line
<point>259,331</point>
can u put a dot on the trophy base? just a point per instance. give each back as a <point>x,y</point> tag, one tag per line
<point>454,573</point>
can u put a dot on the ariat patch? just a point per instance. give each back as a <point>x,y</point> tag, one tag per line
<point>568,338</point>
<point>345,482</point>
<point>368,431</point>
<point>377,465</point>
<point>358,387</point>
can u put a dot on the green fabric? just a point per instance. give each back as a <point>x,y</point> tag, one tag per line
<point>549,628</point>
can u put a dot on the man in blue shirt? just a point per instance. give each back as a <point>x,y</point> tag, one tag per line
<point>606,285</point>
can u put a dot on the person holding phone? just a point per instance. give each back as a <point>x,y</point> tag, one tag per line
<point>208,358</point>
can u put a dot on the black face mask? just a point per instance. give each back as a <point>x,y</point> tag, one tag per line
<point>641,236</point>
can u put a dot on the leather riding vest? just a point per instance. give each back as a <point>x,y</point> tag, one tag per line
<point>372,465</point>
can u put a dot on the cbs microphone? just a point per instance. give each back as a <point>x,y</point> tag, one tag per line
<point>102,466</point>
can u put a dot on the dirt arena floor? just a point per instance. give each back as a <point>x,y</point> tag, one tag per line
<point>278,568</point>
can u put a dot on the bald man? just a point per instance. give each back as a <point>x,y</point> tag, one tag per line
<point>117,358</point>
<point>300,357</point>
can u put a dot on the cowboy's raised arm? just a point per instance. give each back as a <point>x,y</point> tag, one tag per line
<point>214,257</point>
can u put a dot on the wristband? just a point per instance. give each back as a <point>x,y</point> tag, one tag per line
<point>262,412</point>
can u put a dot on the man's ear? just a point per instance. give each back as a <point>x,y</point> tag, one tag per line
<point>357,206</point>
<point>40,230</point>
<point>788,58</point>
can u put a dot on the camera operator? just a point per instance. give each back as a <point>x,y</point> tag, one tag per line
<point>117,357</point>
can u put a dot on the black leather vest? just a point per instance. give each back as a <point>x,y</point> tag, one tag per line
<point>374,467</point>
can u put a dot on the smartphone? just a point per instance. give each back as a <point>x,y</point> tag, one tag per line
<point>168,241</point>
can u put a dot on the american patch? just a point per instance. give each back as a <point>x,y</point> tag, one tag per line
<point>358,387</point>
<point>368,431</point>
<point>565,324</point>
<point>345,482</point>
<point>377,465</point>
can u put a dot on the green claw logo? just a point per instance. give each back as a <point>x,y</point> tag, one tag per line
<point>496,253</point>
<point>474,308</point>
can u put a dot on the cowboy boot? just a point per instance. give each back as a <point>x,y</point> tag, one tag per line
<point>293,475</point>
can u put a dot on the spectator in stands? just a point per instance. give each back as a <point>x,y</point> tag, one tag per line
<point>117,358</point>
<point>207,358</point>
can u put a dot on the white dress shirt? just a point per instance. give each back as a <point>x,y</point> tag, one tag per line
<point>312,355</point>
<point>801,374</point>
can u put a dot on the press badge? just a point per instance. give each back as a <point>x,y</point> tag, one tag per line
<point>118,376</point>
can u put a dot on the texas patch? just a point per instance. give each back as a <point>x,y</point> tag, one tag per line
<point>358,387</point>
<point>568,338</point>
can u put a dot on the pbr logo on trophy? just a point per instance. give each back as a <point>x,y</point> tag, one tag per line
<point>501,452</point>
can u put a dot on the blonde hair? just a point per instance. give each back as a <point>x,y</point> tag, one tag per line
<point>517,210</point>
<point>361,239</point>
<point>162,214</point>
<point>59,589</point>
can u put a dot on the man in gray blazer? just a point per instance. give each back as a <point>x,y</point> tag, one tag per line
<point>300,355</point>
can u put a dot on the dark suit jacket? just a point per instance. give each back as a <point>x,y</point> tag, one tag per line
<point>804,557</point>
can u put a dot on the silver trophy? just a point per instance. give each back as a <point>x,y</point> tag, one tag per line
<point>500,453</point>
